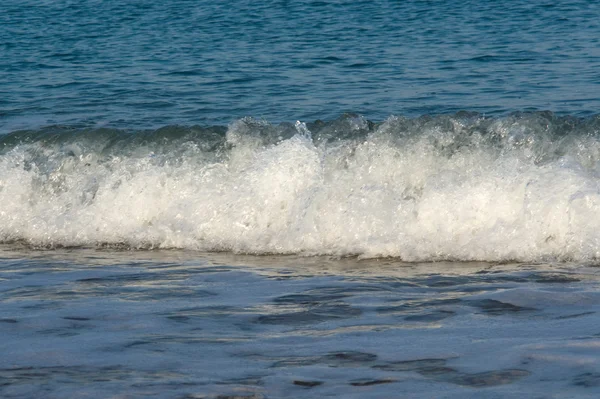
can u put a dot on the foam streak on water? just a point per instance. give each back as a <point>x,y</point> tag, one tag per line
<point>462,187</point>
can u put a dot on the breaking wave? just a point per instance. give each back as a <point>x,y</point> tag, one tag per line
<point>522,187</point>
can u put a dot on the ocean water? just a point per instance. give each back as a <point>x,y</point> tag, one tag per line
<point>299,199</point>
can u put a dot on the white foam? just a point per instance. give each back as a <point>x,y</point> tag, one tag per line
<point>509,193</point>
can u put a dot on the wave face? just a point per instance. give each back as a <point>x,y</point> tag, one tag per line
<point>523,187</point>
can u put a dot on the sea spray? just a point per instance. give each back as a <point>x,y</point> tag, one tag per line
<point>458,187</point>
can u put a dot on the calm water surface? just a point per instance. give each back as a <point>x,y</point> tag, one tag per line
<point>89,323</point>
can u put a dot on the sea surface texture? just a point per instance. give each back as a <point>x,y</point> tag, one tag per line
<point>145,64</point>
<point>299,199</point>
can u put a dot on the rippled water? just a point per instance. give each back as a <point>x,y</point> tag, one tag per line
<point>347,145</point>
<point>147,64</point>
<point>187,325</point>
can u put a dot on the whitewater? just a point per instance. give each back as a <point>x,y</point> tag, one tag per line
<point>465,187</point>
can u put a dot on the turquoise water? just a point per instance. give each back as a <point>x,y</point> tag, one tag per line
<point>143,64</point>
<point>299,199</point>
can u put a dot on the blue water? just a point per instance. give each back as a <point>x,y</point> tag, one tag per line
<point>294,199</point>
<point>145,64</point>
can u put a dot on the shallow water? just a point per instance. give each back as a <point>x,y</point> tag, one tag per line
<point>173,324</point>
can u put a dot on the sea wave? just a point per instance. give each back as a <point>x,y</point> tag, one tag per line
<point>522,187</point>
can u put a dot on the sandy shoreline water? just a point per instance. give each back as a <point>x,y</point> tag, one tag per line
<point>175,324</point>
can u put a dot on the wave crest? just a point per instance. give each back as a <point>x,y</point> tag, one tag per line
<point>456,187</point>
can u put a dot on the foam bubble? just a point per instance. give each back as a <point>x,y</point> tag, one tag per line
<point>462,187</point>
